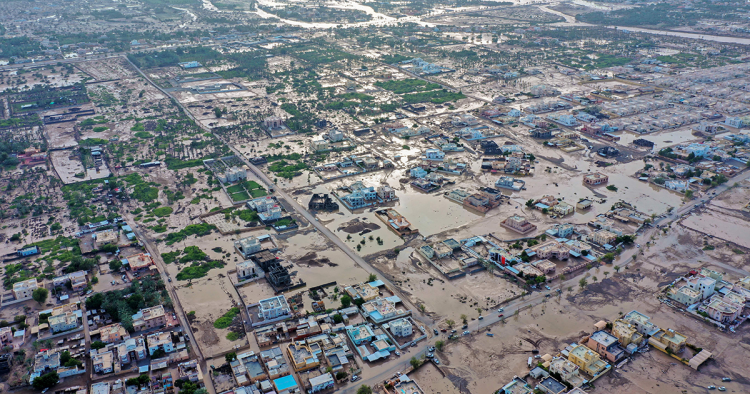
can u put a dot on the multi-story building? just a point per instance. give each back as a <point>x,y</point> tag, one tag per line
<point>518,224</point>
<point>567,371</point>
<point>190,370</point>
<point>626,333</point>
<point>606,345</point>
<point>641,322</point>
<point>24,289</point>
<point>113,333</point>
<point>63,322</point>
<point>160,340</point>
<point>434,155</point>
<point>381,310</point>
<point>668,340</point>
<point>6,337</point>
<point>148,318</point>
<point>103,362</point>
<point>246,269</point>
<point>105,237</point>
<point>587,360</point>
<point>274,307</point>
<point>247,246</point>
<point>684,295</point>
<point>703,284</point>
<point>603,237</point>
<point>401,327</point>
<point>302,357</point>
<point>386,193</point>
<point>563,208</point>
<point>516,386</point>
<point>726,309</point>
<point>131,349</point>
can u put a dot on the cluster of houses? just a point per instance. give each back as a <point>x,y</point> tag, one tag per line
<point>706,293</point>
<point>580,364</point>
<point>361,196</point>
<point>483,200</point>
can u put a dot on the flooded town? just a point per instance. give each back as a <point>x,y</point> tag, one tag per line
<point>357,197</point>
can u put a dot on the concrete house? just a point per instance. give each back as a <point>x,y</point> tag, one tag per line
<point>23,290</point>
<point>606,345</point>
<point>587,360</point>
<point>274,307</point>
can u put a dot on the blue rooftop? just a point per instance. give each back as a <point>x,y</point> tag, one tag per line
<point>285,383</point>
<point>376,283</point>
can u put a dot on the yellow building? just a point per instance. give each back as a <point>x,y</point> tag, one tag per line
<point>587,360</point>
<point>668,339</point>
<point>302,357</point>
<point>626,333</point>
<point>365,291</point>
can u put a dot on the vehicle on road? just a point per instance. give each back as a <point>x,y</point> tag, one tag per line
<point>465,333</point>
<point>169,280</point>
<point>722,388</point>
<point>489,334</point>
<point>500,310</point>
<point>354,378</point>
<point>481,317</point>
<point>725,379</point>
<point>435,331</point>
<point>711,387</point>
<point>547,287</point>
<point>453,331</point>
<point>465,326</point>
<point>500,315</point>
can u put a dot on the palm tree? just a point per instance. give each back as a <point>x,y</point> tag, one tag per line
<point>582,283</point>
<point>594,278</point>
<point>450,323</point>
<point>463,319</point>
<point>605,274</point>
<point>617,268</point>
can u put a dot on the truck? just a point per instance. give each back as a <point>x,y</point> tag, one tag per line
<point>531,360</point>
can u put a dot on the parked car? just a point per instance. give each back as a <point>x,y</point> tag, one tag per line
<point>436,361</point>
<point>431,349</point>
<point>465,333</point>
<point>354,378</point>
<point>481,317</point>
<point>398,353</point>
<point>435,331</point>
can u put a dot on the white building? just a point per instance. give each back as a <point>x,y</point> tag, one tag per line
<point>335,135</point>
<point>274,307</point>
<point>417,172</point>
<point>247,246</point>
<point>401,327</point>
<point>703,284</point>
<point>434,154</point>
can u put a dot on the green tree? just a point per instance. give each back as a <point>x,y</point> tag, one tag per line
<point>415,363</point>
<point>372,278</point>
<point>450,323</point>
<point>439,345</point>
<point>96,345</point>
<point>364,389</point>
<point>346,300</point>
<point>530,203</point>
<point>45,381</point>
<point>582,283</point>
<point>464,319</point>
<point>40,295</point>
<point>617,268</point>
<point>115,265</point>
<point>230,356</point>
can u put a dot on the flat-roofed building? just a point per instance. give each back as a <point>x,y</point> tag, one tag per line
<point>247,246</point>
<point>105,237</point>
<point>606,345</point>
<point>103,362</point>
<point>626,333</point>
<point>148,318</point>
<point>365,291</point>
<point>518,224</point>
<point>247,269</point>
<point>160,340</point>
<point>587,360</point>
<point>138,262</point>
<point>668,339</point>
<point>274,307</point>
<point>63,322</point>
<point>603,237</point>
<point>684,295</point>
<point>302,356</point>
<point>567,371</point>
<point>401,327</point>
<point>595,178</point>
<point>113,333</point>
<point>24,289</point>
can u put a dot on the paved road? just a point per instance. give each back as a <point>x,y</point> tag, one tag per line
<point>179,311</point>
